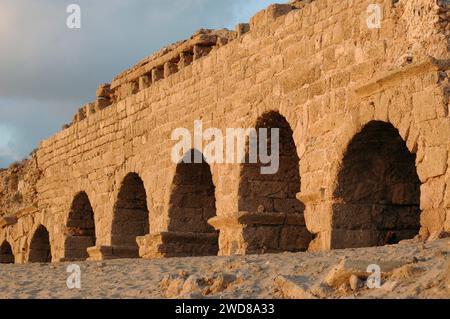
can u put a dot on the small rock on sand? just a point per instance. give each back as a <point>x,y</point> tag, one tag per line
<point>294,287</point>
<point>355,282</point>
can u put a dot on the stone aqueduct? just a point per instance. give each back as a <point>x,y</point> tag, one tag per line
<point>365,151</point>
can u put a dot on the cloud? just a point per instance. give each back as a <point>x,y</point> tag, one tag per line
<point>49,70</point>
<point>8,151</point>
<point>25,122</point>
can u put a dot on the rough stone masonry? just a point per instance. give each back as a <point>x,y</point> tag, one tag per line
<point>364,128</point>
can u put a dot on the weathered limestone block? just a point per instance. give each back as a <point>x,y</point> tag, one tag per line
<point>186,59</point>
<point>81,115</point>
<point>242,28</point>
<point>126,89</point>
<point>201,51</point>
<point>270,14</point>
<point>157,74</point>
<point>104,91</point>
<point>428,105</point>
<point>170,68</point>
<point>276,10</point>
<point>433,219</point>
<point>263,232</point>
<point>7,221</point>
<point>99,253</point>
<point>297,287</point>
<point>345,238</point>
<point>317,214</point>
<point>222,41</point>
<point>434,163</point>
<point>437,132</point>
<point>432,193</point>
<point>341,273</point>
<point>177,244</point>
<point>102,103</point>
<point>145,81</point>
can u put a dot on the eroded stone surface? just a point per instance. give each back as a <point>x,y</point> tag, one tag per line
<point>314,69</point>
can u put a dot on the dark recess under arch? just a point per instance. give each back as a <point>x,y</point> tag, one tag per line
<point>378,190</point>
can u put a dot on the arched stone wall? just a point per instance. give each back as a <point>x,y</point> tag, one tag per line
<point>6,253</point>
<point>80,228</point>
<point>40,248</point>
<point>378,191</point>
<point>130,218</point>
<point>327,75</point>
<point>192,204</point>
<point>268,197</point>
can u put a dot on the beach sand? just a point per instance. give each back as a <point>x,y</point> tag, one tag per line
<point>411,270</point>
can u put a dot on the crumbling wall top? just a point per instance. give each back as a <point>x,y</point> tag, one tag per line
<point>171,53</point>
<point>18,186</point>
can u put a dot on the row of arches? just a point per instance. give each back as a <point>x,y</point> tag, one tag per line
<point>377,195</point>
<point>40,250</point>
<point>191,205</point>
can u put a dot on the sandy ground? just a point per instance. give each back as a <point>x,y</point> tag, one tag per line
<point>418,271</point>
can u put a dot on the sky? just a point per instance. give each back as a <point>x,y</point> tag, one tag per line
<point>47,71</point>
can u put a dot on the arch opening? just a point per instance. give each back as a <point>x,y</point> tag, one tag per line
<point>192,204</point>
<point>377,198</point>
<point>6,253</point>
<point>40,250</point>
<point>269,195</point>
<point>80,228</point>
<point>131,218</point>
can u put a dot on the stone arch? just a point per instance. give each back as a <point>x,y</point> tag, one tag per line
<point>277,222</point>
<point>40,249</point>
<point>192,203</point>
<point>130,218</point>
<point>6,253</point>
<point>377,196</point>
<point>80,228</point>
